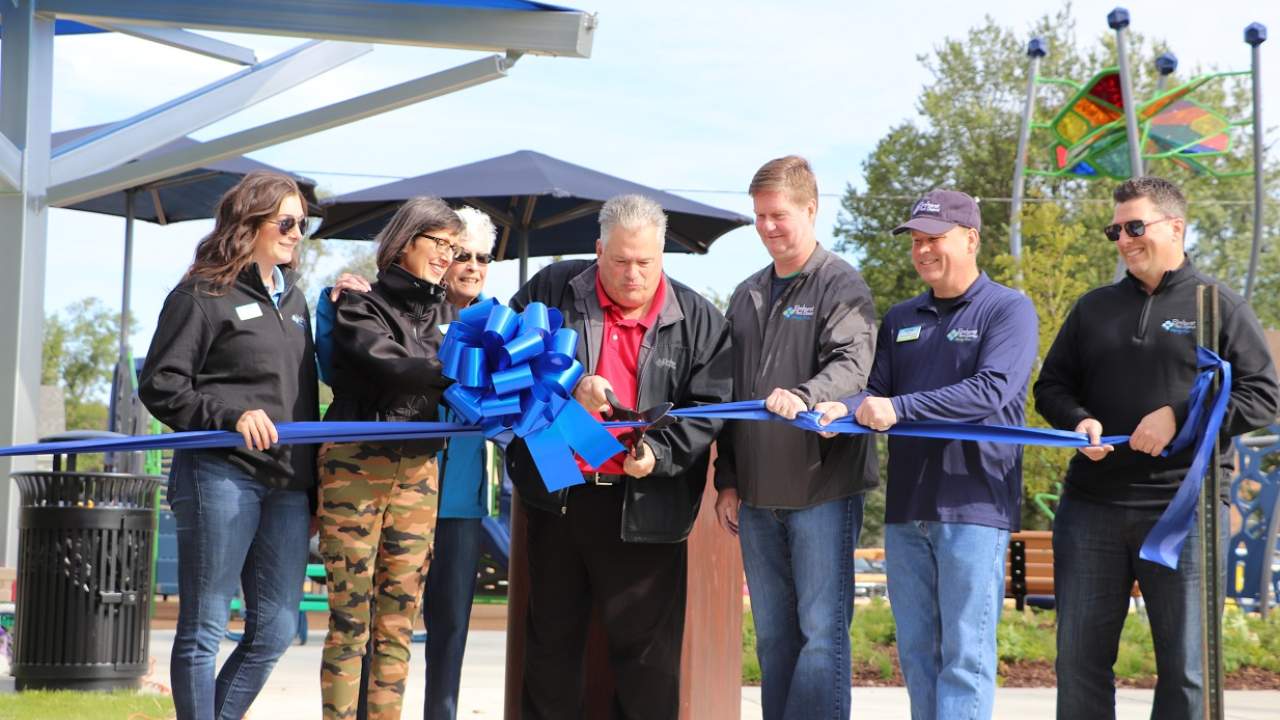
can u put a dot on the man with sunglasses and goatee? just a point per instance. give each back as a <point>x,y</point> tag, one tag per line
<point>1124,362</point>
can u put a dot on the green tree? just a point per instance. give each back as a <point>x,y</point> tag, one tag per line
<point>81,346</point>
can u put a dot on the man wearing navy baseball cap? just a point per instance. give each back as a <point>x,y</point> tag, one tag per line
<point>961,351</point>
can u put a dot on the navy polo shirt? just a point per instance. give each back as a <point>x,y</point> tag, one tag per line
<point>969,362</point>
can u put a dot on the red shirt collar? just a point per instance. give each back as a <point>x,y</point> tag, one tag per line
<point>651,317</point>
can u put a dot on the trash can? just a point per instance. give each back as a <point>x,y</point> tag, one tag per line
<point>84,578</point>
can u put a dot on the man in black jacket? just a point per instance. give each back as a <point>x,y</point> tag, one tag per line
<point>1125,360</point>
<point>803,333</point>
<point>619,540</point>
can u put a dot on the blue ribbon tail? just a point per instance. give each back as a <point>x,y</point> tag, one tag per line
<point>1164,543</point>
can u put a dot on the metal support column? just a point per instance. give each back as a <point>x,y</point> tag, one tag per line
<point>26,77</point>
<point>1256,34</point>
<point>1035,51</point>
<point>1211,573</point>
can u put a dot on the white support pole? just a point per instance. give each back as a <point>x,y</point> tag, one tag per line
<point>184,40</point>
<point>329,116</point>
<point>26,81</point>
<point>124,141</point>
<point>10,166</point>
<point>1035,51</point>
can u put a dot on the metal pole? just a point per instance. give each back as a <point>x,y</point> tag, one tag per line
<point>1166,65</point>
<point>523,238</point>
<point>1118,19</point>
<point>1256,34</point>
<point>1035,51</point>
<point>129,198</point>
<point>1211,571</point>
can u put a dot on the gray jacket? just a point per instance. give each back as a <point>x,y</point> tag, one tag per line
<point>817,340</point>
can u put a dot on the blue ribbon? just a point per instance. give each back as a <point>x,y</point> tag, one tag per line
<point>1164,542</point>
<point>517,372</point>
<point>551,424</point>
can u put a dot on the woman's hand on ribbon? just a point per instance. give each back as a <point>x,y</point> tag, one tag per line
<point>785,403</point>
<point>1096,450</point>
<point>876,413</point>
<point>257,429</point>
<point>1154,431</point>
<point>831,411</point>
<point>590,393</point>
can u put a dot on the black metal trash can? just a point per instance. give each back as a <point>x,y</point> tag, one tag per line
<point>84,579</point>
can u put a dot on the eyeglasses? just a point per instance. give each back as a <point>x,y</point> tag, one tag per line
<point>1135,228</point>
<point>287,223</point>
<point>444,247</point>
<point>464,256</point>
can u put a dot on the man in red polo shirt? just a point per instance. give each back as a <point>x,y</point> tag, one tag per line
<point>618,540</point>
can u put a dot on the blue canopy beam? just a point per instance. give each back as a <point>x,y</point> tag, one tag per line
<point>189,41</point>
<point>493,25</point>
<point>117,144</point>
<point>340,113</point>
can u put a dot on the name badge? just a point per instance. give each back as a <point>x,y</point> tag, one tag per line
<point>909,333</point>
<point>249,311</point>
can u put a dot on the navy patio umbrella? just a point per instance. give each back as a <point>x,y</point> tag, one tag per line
<point>542,206</point>
<point>189,195</point>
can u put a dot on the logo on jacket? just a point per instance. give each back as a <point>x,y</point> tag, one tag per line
<point>961,335</point>
<point>798,311</point>
<point>299,320</point>
<point>667,363</point>
<point>1179,327</point>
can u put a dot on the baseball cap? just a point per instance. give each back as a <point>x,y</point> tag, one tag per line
<point>939,211</point>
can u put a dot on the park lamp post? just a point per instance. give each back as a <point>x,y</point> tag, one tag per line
<point>1166,65</point>
<point>1118,20</point>
<point>1256,34</point>
<point>1036,49</point>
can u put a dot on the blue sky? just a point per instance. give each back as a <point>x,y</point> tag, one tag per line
<point>682,96</point>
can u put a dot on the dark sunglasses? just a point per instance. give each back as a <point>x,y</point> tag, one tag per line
<point>464,256</point>
<point>1135,228</point>
<point>287,223</point>
<point>444,247</point>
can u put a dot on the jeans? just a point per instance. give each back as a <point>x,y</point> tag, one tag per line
<point>799,566</point>
<point>946,588</point>
<point>233,532</point>
<point>1095,554</point>
<point>446,611</point>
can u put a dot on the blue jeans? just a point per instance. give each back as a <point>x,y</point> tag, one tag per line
<point>1095,559</point>
<point>946,588</point>
<point>233,532</point>
<point>446,611</point>
<point>799,567</point>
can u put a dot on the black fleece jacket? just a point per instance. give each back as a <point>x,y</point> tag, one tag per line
<point>1123,353</point>
<point>219,353</point>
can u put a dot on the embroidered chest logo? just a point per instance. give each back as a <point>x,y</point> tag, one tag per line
<point>299,320</point>
<point>963,335</point>
<point>798,312</point>
<point>1179,327</point>
<point>667,363</point>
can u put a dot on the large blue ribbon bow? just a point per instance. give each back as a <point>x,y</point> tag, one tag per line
<point>517,372</point>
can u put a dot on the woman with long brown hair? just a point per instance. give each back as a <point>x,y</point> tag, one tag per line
<point>233,351</point>
<point>378,501</point>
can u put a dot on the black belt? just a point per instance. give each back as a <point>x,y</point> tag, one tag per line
<point>602,479</point>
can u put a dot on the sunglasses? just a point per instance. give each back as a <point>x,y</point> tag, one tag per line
<point>287,223</point>
<point>1135,228</point>
<point>464,256</point>
<point>444,247</point>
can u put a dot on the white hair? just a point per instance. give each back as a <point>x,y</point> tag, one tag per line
<point>632,212</point>
<point>477,225</point>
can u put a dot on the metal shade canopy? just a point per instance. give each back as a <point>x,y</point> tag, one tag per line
<point>542,205</point>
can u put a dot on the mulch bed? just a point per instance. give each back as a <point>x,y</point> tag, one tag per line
<point>1040,674</point>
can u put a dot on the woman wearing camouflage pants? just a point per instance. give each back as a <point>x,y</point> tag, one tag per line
<point>378,500</point>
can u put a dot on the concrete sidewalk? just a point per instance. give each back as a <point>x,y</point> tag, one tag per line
<point>293,693</point>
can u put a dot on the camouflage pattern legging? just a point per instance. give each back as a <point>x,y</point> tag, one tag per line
<point>377,522</point>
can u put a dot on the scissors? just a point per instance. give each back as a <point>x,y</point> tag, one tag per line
<point>655,418</point>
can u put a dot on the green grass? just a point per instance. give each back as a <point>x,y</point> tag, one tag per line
<point>67,705</point>
<point>1030,635</point>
